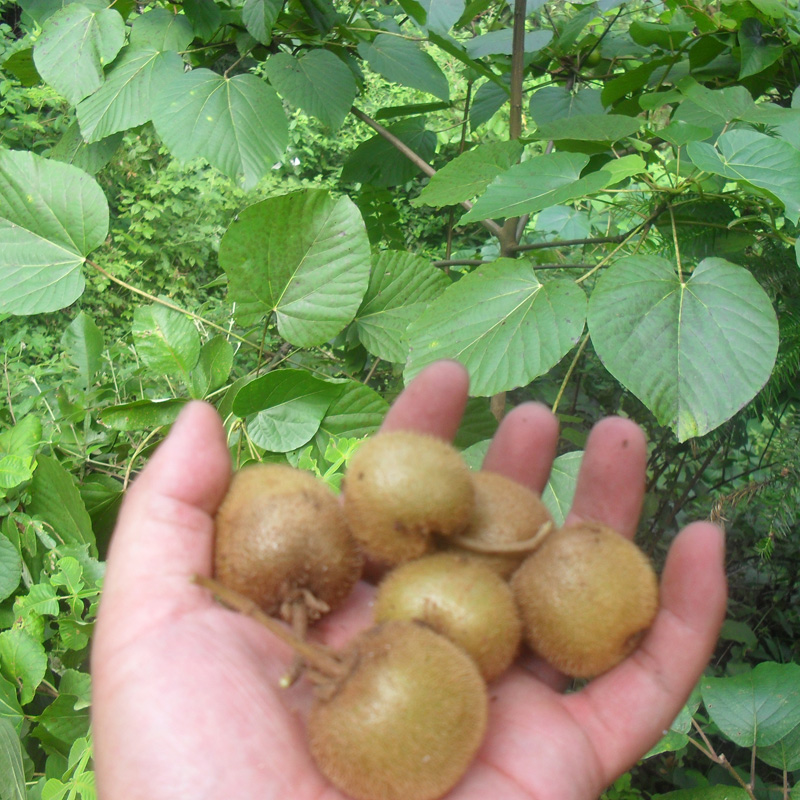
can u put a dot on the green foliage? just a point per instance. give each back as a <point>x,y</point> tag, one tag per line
<point>189,209</point>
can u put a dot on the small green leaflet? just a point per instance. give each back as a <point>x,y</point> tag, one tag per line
<point>18,446</point>
<point>501,323</point>
<point>10,568</point>
<point>469,174</point>
<point>142,415</point>
<point>560,489</point>
<point>400,288</point>
<point>75,44</point>
<point>166,340</point>
<point>304,256</point>
<point>237,124</point>
<point>22,661</point>
<point>83,343</point>
<point>125,99</point>
<point>752,157</point>
<point>12,770</point>
<point>693,351</point>
<point>404,62</point>
<point>318,82</point>
<point>52,215</point>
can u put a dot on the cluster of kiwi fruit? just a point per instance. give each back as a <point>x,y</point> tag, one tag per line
<point>468,566</point>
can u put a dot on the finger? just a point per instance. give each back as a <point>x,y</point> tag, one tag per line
<point>432,403</point>
<point>626,711</point>
<point>524,446</point>
<point>165,530</point>
<point>611,481</point>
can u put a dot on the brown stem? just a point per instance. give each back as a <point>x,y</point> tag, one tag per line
<point>501,548</point>
<point>313,654</point>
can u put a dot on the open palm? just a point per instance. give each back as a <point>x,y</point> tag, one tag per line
<point>186,698</point>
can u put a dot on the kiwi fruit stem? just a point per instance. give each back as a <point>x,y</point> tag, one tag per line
<point>503,547</point>
<point>325,665</point>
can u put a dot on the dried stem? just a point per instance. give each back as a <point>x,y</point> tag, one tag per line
<point>503,548</point>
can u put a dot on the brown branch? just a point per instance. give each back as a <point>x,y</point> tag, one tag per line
<point>415,159</point>
<point>476,262</point>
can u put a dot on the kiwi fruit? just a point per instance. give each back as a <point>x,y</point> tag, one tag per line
<point>506,514</point>
<point>586,597</point>
<point>282,540</point>
<point>398,714</point>
<point>463,600</point>
<point>402,487</point>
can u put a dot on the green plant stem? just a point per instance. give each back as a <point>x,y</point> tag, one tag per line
<point>489,224</point>
<point>677,245</point>
<point>167,304</point>
<point>571,369</point>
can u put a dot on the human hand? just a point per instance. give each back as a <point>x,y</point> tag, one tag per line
<point>186,697</point>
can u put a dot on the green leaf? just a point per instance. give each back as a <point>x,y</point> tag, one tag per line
<point>91,158</point>
<point>441,15</point>
<point>560,489</point>
<point>18,447</point>
<point>237,124</point>
<point>503,325</point>
<point>304,256</point>
<point>499,43</point>
<point>489,99</point>
<point>355,412</point>
<point>166,340</point>
<point>75,44</point>
<point>706,793</point>
<point>259,16</point>
<point>785,753</point>
<point>758,707</point>
<point>680,133</point>
<point>378,162</point>
<point>757,53</point>
<point>124,100</point>
<point>469,174</point>
<point>284,408</point>
<point>477,424</point>
<point>401,285</point>
<point>625,167</point>
<point>541,182</point>
<point>729,104</point>
<point>23,661</point>
<point>667,37</point>
<point>213,367</point>
<point>12,770</point>
<point>52,216</point>
<point>404,62</point>
<point>142,414</point>
<point>318,82</point>
<point>763,161</point>
<point>57,501</point>
<point>557,102</point>
<point>590,128</point>
<point>205,16</point>
<point>83,343</point>
<point>10,568</point>
<point>10,709</point>
<point>63,721</point>
<point>161,30</point>
<point>21,66</point>
<point>693,351</point>
<point>41,601</point>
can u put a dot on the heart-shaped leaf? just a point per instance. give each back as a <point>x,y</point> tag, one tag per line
<point>304,256</point>
<point>166,340</point>
<point>503,325</point>
<point>693,351</point>
<point>52,215</point>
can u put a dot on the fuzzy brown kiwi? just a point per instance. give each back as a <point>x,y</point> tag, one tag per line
<point>506,513</point>
<point>282,540</point>
<point>400,488</point>
<point>463,600</point>
<point>398,714</point>
<point>586,597</point>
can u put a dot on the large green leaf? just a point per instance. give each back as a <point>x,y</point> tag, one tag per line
<point>785,753</point>
<point>259,16</point>
<point>75,44</point>
<point>304,256</point>
<point>499,43</point>
<point>12,770</point>
<point>502,324</point>
<point>441,15</point>
<point>764,161</point>
<point>23,661</point>
<point>693,351</point>
<point>356,411</point>
<point>706,793</point>
<point>400,287</point>
<point>90,157</point>
<point>379,163</point>
<point>142,415</point>
<point>489,99</point>
<point>469,174</point>
<point>213,367</point>
<point>205,16</point>
<point>125,99</point>
<point>284,408</point>
<point>10,709</point>
<point>590,127</point>
<point>758,707</point>
<point>402,61</point>
<point>166,340</point>
<point>52,215</point>
<point>83,343</point>
<point>161,30</point>
<point>18,446</point>
<point>237,124</point>
<point>10,568</point>
<point>57,501</point>
<point>539,183</point>
<point>318,82</point>
<point>557,102</point>
<point>757,51</point>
